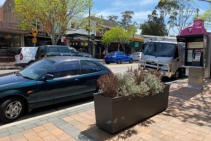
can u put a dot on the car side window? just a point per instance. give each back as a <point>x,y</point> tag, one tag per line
<point>121,53</point>
<point>89,67</point>
<point>63,50</point>
<point>52,50</point>
<point>65,69</point>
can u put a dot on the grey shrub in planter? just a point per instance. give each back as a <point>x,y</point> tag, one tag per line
<point>128,98</point>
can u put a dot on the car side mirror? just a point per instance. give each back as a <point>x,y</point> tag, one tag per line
<point>49,77</point>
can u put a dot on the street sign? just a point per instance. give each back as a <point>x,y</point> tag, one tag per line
<point>34,40</point>
<point>92,36</point>
<point>34,32</point>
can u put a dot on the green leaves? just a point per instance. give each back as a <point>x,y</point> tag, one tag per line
<point>118,34</point>
<point>52,15</point>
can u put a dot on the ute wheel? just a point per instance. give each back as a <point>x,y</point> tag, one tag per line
<point>119,61</point>
<point>177,74</point>
<point>131,61</point>
<point>107,62</point>
<point>11,109</point>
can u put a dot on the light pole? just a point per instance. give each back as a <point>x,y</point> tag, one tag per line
<point>89,46</point>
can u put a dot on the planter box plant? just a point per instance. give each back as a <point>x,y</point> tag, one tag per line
<point>128,98</point>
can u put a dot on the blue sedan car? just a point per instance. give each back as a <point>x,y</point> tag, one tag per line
<point>48,81</point>
<point>117,57</point>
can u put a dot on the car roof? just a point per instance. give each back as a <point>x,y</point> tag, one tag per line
<point>68,58</point>
<point>54,46</point>
<point>172,42</point>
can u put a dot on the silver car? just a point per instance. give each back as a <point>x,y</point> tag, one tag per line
<point>136,56</point>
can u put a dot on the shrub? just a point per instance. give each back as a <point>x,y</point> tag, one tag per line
<point>133,82</point>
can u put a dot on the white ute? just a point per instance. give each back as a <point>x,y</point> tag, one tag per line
<point>26,56</point>
<point>163,56</point>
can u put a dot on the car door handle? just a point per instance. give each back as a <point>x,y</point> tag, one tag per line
<point>76,80</point>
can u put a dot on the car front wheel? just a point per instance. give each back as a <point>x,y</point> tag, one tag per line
<point>11,109</point>
<point>131,61</point>
<point>177,74</point>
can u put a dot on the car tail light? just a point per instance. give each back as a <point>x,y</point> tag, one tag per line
<point>45,56</point>
<point>21,56</point>
<point>139,56</point>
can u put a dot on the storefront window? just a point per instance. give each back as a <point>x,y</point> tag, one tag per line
<point>9,43</point>
<point>10,40</point>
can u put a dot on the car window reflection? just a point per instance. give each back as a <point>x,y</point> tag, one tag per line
<point>37,69</point>
<point>65,69</point>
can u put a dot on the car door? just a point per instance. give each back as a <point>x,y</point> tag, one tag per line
<point>63,86</point>
<point>90,72</point>
<point>123,56</point>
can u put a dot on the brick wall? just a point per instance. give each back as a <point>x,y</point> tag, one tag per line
<point>8,14</point>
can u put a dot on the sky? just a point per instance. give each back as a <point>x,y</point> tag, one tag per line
<point>141,8</point>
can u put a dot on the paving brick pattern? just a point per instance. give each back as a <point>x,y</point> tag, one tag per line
<point>187,118</point>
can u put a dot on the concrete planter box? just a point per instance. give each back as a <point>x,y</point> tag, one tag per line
<point>116,114</point>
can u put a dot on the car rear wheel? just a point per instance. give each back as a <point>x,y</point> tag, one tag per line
<point>131,61</point>
<point>107,62</point>
<point>11,109</point>
<point>119,61</point>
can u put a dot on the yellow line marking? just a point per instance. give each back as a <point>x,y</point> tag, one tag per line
<point>122,65</point>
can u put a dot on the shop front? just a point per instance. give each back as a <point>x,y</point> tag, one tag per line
<point>42,39</point>
<point>9,45</point>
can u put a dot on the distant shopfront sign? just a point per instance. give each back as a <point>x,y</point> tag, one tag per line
<point>6,25</point>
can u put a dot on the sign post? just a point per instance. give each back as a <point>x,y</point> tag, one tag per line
<point>34,33</point>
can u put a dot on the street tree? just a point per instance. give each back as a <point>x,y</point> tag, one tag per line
<point>177,13</point>
<point>118,34</point>
<point>206,15</point>
<point>126,19</point>
<point>112,18</point>
<point>154,26</point>
<point>54,16</point>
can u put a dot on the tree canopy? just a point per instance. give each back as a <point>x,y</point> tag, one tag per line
<point>118,34</point>
<point>54,16</point>
<point>178,14</point>
<point>154,26</point>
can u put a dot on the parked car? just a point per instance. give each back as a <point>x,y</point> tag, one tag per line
<point>117,57</point>
<point>77,53</point>
<point>83,54</point>
<point>27,55</point>
<point>48,81</point>
<point>136,56</point>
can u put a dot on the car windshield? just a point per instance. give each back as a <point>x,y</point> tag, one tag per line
<point>160,49</point>
<point>37,69</point>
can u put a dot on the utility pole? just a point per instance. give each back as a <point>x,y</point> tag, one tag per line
<point>89,45</point>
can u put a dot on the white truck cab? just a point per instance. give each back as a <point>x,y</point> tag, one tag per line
<point>163,56</point>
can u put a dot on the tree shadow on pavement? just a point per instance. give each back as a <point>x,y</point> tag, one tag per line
<point>94,133</point>
<point>190,105</point>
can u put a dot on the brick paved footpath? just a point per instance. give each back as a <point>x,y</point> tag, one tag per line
<point>187,118</point>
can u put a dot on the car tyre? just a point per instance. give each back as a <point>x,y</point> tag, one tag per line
<point>11,109</point>
<point>177,74</point>
<point>119,61</point>
<point>131,61</point>
<point>107,62</point>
